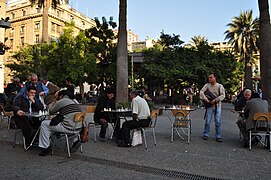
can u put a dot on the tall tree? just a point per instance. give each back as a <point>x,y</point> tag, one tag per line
<point>122,55</point>
<point>243,34</point>
<point>265,49</point>
<point>45,14</point>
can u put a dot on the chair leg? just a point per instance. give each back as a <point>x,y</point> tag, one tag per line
<point>68,146</point>
<point>270,141</point>
<point>94,132</point>
<point>53,144</point>
<point>144,136</point>
<point>81,145</point>
<point>188,135</point>
<point>9,121</point>
<point>172,129</point>
<point>249,140</point>
<point>24,145</point>
<point>154,137</point>
<point>15,137</point>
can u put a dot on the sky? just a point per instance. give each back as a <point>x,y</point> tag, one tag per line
<point>187,18</point>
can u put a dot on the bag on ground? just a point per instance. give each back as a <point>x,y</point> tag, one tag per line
<point>137,138</point>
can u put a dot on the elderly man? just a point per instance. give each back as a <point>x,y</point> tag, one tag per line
<point>13,88</point>
<point>255,104</point>
<point>241,102</point>
<point>212,93</point>
<point>67,109</point>
<point>42,90</point>
<point>27,103</point>
<point>141,118</point>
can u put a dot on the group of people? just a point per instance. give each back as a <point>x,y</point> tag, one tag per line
<point>247,104</point>
<point>36,96</point>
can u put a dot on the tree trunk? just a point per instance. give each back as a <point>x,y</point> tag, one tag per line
<point>248,73</point>
<point>122,55</point>
<point>265,49</point>
<point>45,21</point>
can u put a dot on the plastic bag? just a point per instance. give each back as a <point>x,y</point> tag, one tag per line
<point>137,138</point>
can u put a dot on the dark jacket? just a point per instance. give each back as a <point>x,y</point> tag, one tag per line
<point>103,102</point>
<point>240,104</point>
<point>11,87</point>
<point>22,103</point>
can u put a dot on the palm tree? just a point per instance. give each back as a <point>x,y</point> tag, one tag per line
<point>45,17</point>
<point>122,55</point>
<point>265,49</point>
<point>199,40</point>
<point>243,34</point>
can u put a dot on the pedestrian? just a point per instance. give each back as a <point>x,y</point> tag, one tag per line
<point>212,94</point>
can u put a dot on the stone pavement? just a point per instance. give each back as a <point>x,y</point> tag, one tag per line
<point>198,160</point>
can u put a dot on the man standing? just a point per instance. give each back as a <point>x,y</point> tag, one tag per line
<point>212,93</point>
<point>141,118</point>
<point>70,87</point>
<point>50,97</point>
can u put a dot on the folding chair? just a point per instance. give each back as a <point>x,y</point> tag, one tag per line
<point>78,118</point>
<point>181,121</point>
<point>154,115</point>
<point>261,128</point>
<point>5,115</point>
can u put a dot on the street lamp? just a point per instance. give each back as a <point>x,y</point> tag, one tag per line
<point>256,78</point>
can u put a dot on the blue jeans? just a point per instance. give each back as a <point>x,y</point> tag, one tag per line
<point>208,118</point>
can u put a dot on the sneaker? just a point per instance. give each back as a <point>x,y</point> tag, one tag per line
<point>219,140</point>
<point>205,138</point>
<point>101,139</point>
<point>45,152</point>
<point>75,146</point>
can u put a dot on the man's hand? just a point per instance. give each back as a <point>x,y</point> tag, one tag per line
<point>103,121</point>
<point>32,98</point>
<point>213,102</point>
<point>20,113</point>
<point>42,93</point>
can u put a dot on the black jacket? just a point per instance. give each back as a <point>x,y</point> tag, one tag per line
<point>103,102</point>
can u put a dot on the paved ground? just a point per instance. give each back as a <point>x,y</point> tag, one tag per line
<point>198,160</point>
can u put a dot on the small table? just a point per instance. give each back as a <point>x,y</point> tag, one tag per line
<point>41,117</point>
<point>121,114</point>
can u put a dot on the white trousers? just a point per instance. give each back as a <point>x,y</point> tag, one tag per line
<point>46,130</point>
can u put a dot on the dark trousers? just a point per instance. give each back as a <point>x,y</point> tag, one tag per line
<point>129,125</point>
<point>104,126</point>
<point>28,127</point>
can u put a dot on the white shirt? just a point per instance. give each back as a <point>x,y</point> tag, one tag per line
<point>140,107</point>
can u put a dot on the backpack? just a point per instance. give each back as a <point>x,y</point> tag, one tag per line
<point>84,133</point>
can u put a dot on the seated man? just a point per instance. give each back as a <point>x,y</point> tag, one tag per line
<point>67,108</point>
<point>255,104</point>
<point>106,101</point>
<point>241,102</point>
<point>239,106</point>
<point>141,118</point>
<point>27,103</point>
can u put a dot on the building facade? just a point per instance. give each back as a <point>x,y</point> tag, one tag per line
<point>26,25</point>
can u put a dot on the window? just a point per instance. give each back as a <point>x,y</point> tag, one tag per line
<point>37,25</point>
<point>24,12</point>
<point>37,38</point>
<point>58,28</point>
<point>22,41</point>
<point>38,10</point>
<point>83,23</point>
<point>58,13</point>
<point>53,27</point>
<point>22,28</point>
<point>11,33</point>
<point>71,17</point>
<point>12,15</point>
<point>11,43</point>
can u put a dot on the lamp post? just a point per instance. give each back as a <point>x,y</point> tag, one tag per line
<point>256,70</point>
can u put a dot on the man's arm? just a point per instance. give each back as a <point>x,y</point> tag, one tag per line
<point>202,95</point>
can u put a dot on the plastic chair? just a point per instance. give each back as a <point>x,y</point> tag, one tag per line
<point>154,115</point>
<point>261,128</point>
<point>181,121</point>
<point>78,118</point>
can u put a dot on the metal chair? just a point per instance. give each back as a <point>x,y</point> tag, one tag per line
<point>154,115</point>
<point>261,128</point>
<point>78,118</point>
<point>181,121</point>
<point>91,110</point>
<point>5,115</point>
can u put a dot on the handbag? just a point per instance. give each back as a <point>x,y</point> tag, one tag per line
<point>56,120</point>
<point>137,138</point>
<point>84,133</point>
